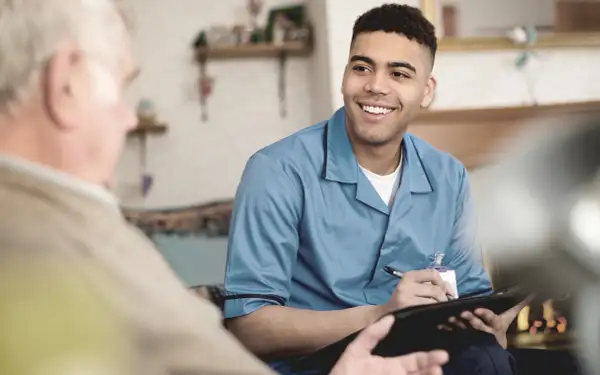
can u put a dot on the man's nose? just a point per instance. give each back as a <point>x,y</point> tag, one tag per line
<point>378,84</point>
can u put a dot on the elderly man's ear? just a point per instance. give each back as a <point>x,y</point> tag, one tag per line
<point>64,84</point>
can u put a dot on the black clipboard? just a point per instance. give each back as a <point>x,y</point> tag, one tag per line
<point>416,329</point>
<point>439,313</point>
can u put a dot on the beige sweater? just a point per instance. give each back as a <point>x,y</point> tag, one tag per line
<point>173,331</point>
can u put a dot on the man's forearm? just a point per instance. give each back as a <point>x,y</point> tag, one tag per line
<point>282,331</point>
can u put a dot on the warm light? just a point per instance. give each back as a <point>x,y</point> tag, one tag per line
<point>549,314</point>
<point>523,319</point>
<point>549,323</point>
<point>562,325</point>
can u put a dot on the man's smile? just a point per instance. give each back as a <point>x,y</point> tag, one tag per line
<point>375,112</point>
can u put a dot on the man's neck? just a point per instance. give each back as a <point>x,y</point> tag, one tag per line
<point>381,160</point>
<point>30,156</point>
<point>28,146</point>
<point>23,142</point>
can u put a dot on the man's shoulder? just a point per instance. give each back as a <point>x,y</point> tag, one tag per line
<point>296,145</point>
<point>435,161</point>
<point>31,222</point>
<point>299,152</point>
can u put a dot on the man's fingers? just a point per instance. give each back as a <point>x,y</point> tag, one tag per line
<point>476,323</point>
<point>488,316</point>
<point>437,279</point>
<point>430,363</point>
<point>433,370</point>
<point>449,289</point>
<point>423,362</point>
<point>429,291</point>
<point>419,301</point>
<point>370,336</point>
<point>425,276</point>
<point>438,357</point>
<point>453,320</point>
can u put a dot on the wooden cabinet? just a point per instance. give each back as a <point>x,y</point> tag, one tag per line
<point>475,135</point>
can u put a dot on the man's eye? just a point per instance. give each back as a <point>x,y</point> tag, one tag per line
<point>399,75</point>
<point>360,68</point>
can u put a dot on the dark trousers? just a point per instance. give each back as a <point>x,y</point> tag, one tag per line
<point>471,353</point>
<point>486,357</point>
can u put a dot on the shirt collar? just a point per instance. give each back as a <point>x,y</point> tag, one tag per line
<point>341,164</point>
<point>59,178</point>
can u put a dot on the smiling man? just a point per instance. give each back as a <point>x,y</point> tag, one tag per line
<point>320,214</point>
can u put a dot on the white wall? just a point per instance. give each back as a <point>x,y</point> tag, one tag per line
<point>483,79</point>
<point>198,162</point>
<point>320,62</point>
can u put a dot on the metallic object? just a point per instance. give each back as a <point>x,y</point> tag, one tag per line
<point>540,221</point>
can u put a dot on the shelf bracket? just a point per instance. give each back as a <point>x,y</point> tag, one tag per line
<point>203,87</point>
<point>283,56</point>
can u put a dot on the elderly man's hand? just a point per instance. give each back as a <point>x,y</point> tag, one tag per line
<point>358,359</point>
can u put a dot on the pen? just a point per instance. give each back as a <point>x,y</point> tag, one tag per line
<point>399,274</point>
<point>394,272</point>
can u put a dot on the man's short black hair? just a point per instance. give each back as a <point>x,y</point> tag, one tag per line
<point>400,19</point>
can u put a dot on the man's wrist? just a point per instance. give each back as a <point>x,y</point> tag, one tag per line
<point>377,312</point>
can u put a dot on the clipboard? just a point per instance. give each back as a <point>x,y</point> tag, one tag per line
<point>416,329</point>
<point>419,324</point>
<point>439,313</point>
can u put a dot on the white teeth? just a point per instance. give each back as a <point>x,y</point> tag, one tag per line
<point>376,110</point>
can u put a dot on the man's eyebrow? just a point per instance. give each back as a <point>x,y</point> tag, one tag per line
<point>362,58</point>
<point>393,64</point>
<point>402,64</point>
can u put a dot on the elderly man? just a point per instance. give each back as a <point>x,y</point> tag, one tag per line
<point>63,67</point>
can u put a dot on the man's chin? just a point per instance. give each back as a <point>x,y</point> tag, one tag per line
<point>374,140</point>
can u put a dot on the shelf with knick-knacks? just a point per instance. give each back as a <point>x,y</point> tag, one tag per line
<point>147,119</point>
<point>474,25</point>
<point>290,48</point>
<point>145,126</point>
<point>287,33</point>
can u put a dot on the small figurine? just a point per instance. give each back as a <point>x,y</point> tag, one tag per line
<point>254,9</point>
<point>146,111</point>
<point>280,29</point>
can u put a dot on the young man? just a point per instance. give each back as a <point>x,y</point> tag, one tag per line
<point>64,67</point>
<point>318,215</point>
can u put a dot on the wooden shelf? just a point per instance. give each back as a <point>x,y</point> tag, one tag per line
<point>474,136</point>
<point>253,50</point>
<point>145,127</point>
<point>505,113</point>
<point>558,40</point>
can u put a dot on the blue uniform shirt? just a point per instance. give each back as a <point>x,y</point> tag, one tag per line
<point>309,230</point>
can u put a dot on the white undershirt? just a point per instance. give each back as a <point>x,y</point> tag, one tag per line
<point>386,186</point>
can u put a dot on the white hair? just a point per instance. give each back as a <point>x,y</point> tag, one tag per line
<point>31,31</point>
